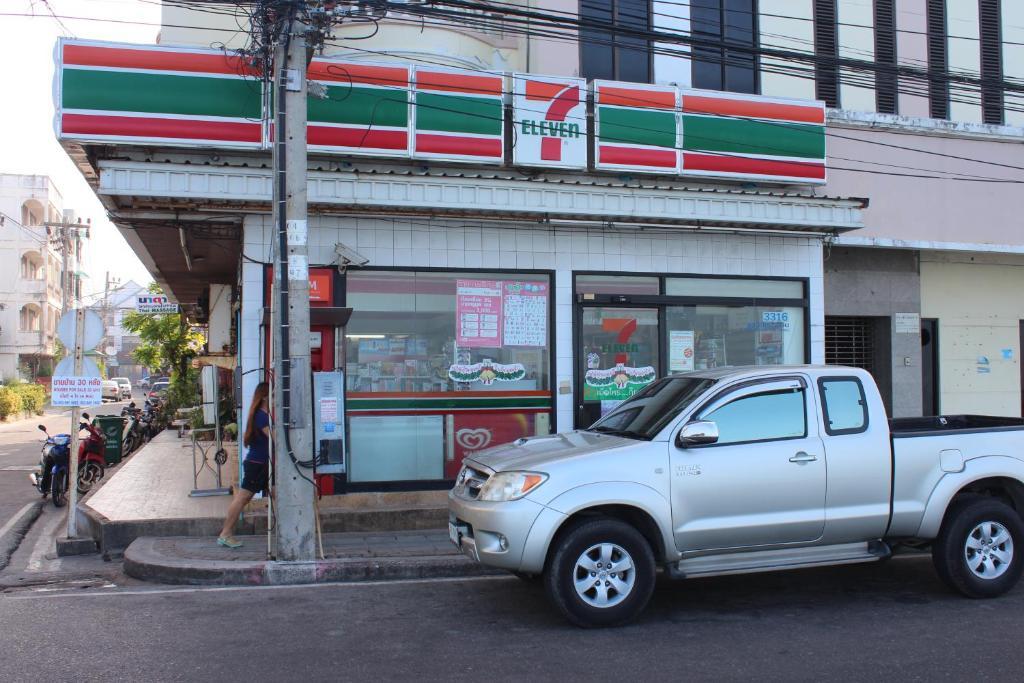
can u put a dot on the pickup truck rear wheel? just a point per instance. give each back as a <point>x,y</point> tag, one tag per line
<point>601,573</point>
<point>980,548</point>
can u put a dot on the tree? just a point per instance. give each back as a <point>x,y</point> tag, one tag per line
<point>165,339</point>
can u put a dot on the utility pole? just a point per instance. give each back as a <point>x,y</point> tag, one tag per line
<point>76,415</point>
<point>293,439</point>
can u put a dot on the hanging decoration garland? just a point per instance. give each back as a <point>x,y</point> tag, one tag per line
<point>620,376</point>
<point>487,372</point>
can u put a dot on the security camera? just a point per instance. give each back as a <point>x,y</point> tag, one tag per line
<point>348,256</point>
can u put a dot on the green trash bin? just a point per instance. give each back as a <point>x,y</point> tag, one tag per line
<point>112,427</point>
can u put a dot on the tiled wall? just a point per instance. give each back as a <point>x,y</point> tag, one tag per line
<point>452,244</point>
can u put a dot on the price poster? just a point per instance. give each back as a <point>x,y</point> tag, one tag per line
<point>478,314</point>
<point>76,391</point>
<point>526,313</point>
<point>680,350</point>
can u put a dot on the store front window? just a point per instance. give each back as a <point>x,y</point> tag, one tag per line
<point>440,365</point>
<point>633,329</point>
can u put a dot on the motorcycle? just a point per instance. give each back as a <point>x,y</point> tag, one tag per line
<point>134,431</point>
<point>52,476</point>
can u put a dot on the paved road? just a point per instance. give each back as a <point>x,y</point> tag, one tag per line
<point>891,620</point>
<point>19,448</point>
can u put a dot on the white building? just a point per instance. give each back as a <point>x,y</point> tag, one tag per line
<point>119,343</point>
<point>32,292</point>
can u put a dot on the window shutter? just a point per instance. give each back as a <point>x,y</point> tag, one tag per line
<point>938,66</point>
<point>826,50</point>
<point>991,62</point>
<point>886,84</point>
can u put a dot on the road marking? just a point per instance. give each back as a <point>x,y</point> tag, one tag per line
<point>230,589</point>
<point>10,523</point>
<point>45,543</point>
<point>19,468</point>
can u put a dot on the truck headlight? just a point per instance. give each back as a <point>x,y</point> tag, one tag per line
<point>505,486</point>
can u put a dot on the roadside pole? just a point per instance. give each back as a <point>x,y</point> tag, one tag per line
<point>296,515</point>
<point>76,414</point>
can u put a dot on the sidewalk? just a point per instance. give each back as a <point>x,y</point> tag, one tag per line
<point>349,557</point>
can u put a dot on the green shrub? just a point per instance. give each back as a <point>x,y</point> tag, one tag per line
<point>32,397</point>
<point>10,402</point>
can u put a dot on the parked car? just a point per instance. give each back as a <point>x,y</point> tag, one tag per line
<point>125,385</point>
<point>741,470</point>
<point>159,390</point>
<point>111,391</point>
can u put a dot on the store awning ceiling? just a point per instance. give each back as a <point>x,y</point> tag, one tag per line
<point>225,187</point>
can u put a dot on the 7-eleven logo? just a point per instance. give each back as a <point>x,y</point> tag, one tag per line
<point>552,121</point>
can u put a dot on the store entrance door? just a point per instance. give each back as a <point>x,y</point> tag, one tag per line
<point>618,355</point>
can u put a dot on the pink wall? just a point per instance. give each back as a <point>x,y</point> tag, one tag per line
<point>930,210</point>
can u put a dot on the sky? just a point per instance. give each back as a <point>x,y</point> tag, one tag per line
<point>27,141</point>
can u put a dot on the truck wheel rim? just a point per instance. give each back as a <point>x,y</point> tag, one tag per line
<point>988,550</point>
<point>604,575</point>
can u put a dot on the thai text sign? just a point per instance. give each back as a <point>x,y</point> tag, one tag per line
<point>109,93</point>
<point>154,303</point>
<point>76,391</point>
<point>478,313</point>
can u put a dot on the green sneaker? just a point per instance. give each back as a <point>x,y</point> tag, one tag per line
<point>229,542</point>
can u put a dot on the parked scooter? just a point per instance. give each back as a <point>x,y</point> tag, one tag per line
<point>52,476</point>
<point>134,431</point>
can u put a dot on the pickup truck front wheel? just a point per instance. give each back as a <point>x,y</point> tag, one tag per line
<point>601,573</point>
<point>980,548</point>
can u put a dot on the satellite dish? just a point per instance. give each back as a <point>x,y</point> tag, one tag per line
<point>110,350</point>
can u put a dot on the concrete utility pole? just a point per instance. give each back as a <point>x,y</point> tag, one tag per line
<point>76,416</point>
<point>296,515</point>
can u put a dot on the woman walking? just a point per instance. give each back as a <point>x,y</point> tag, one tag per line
<point>255,467</point>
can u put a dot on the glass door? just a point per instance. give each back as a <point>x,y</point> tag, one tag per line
<point>618,355</point>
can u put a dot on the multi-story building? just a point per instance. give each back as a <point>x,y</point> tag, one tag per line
<point>36,282</point>
<point>665,208</point>
<point>119,343</point>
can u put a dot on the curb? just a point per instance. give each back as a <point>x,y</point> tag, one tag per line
<point>142,561</point>
<point>15,530</point>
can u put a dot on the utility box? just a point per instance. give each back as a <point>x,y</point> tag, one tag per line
<point>329,421</point>
<point>112,427</point>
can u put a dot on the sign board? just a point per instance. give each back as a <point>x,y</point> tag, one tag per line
<point>155,303</point>
<point>109,93</point>
<point>525,314</point>
<point>91,335</point>
<point>68,390</point>
<point>66,367</point>
<point>907,323</point>
<point>549,125</point>
<point>321,283</point>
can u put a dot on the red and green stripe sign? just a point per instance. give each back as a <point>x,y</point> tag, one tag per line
<point>730,136</point>
<point>446,402</point>
<point>459,115</point>
<point>147,94</point>
<point>366,110</point>
<point>637,127</point>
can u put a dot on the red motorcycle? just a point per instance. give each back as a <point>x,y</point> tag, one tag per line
<point>92,464</point>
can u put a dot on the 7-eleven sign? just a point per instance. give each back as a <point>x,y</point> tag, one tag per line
<point>549,121</point>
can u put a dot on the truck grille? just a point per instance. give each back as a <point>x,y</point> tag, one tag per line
<point>470,481</point>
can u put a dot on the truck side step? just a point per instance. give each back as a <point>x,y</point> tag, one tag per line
<point>776,560</point>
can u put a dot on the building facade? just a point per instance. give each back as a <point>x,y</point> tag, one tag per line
<point>119,343</point>
<point>36,283</point>
<point>494,295</point>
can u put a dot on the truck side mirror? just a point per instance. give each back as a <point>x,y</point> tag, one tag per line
<point>697,433</point>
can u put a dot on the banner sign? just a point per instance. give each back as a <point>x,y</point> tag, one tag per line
<point>76,391</point>
<point>549,126</point>
<point>108,93</point>
<point>154,303</point>
<point>636,127</point>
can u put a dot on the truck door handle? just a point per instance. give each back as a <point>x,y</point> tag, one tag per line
<point>803,457</point>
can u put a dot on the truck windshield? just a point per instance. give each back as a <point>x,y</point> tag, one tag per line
<point>647,412</point>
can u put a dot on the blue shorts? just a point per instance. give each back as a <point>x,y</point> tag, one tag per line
<point>256,476</point>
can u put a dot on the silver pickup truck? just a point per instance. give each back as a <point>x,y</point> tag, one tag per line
<point>744,470</point>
